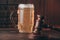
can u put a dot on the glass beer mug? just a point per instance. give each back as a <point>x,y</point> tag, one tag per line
<point>25,18</point>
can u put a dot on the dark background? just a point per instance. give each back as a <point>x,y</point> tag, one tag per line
<point>50,9</point>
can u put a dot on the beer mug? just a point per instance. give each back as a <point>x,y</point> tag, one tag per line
<point>25,18</point>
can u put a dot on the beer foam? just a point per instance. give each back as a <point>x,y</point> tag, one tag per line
<point>26,6</point>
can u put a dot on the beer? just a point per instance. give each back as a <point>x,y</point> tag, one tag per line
<point>25,18</point>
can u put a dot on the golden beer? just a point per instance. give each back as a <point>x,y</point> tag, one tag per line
<point>25,18</point>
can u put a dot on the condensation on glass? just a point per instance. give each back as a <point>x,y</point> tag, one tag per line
<point>25,18</point>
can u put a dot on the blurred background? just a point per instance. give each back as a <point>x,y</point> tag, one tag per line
<point>50,9</point>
